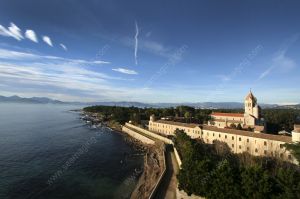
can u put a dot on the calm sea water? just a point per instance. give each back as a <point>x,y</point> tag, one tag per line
<point>39,143</point>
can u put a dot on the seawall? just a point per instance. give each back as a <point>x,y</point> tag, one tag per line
<point>137,136</point>
<point>159,137</point>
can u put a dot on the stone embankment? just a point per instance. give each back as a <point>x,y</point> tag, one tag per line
<point>154,164</point>
<point>159,137</point>
<point>137,135</point>
<point>167,185</point>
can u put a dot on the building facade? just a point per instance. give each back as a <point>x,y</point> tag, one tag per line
<point>257,144</point>
<point>250,118</point>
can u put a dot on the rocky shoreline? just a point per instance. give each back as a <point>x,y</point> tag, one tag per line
<point>153,158</point>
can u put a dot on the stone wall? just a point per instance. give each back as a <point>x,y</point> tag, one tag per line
<point>137,135</point>
<point>154,135</point>
<point>178,159</point>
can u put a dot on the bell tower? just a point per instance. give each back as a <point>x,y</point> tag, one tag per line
<point>251,107</point>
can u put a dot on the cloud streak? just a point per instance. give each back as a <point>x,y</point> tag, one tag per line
<point>25,56</point>
<point>136,44</point>
<point>25,73</point>
<point>149,46</point>
<point>280,62</point>
<point>125,71</point>
<point>47,40</point>
<point>30,34</point>
<point>15,32</point>
<point>64,47</point>
<point>12,31</point>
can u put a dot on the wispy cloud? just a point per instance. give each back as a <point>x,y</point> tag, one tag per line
<point>136,44</point>
<point>47,40</point>
<point>12,31</point>
<point>280,62</point>
<point>15,32</point>
<point>149,46</point>
<point>148,34</point>
<point>18,55</point>
<point>25,73</point>
<point>30,34</point>
<point>64,47</point>
<point>125,71</point>
<point>224,78</point>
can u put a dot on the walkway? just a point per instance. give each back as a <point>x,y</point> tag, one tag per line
<point>168,186</point>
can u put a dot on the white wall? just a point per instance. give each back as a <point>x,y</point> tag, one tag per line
<point>137,136</point>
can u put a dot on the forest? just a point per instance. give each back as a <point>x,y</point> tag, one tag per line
<point>214,172</point>
<point>276,119</point>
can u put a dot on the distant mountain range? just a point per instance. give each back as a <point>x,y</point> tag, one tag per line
<point>202,105</point>
<point>37,100</point>
<point>296,106</point>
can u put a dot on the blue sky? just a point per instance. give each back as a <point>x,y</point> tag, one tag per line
<point>150,51</point>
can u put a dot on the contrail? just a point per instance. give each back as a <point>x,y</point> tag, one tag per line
<point>136,42</point>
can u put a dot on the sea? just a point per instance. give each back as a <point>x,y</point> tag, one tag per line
<point>47,151</point>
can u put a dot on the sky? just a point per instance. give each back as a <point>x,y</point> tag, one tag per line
<point>150,51</point>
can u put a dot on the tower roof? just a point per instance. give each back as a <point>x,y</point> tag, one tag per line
<point>250,96</point>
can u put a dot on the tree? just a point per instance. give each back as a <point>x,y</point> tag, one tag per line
<point>187,116</point>
<point>233,126</point>
<point>239,127</point>
<point>294,148</point>
<point>213,171</point>
<point>256,183</point>
<point>288,183</point>
<point>224,182</point>
<point>135,118</point>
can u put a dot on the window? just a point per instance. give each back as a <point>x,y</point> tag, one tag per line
<point>281,146</point>
<point>265,143</point>
<point>207,140</point>
<point>247,140</point>
<point>225,136</point>
<point>256,150</point>
<point>240,147</point>
<point>232,138</point>
<point>207,134</point>
<point>289,157</point>
<point>247,148</point>
<point>240,139</point>
<point>219,135</point>
<point>232,145</point>
<point>271,153</point>
<point>265,152</point>
<point>213,135</point>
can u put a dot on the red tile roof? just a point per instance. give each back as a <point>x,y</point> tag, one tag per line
<point>231,121</point>
<point>228,114</point>
<point>190,125</point>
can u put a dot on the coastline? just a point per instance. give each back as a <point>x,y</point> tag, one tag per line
<point>151,169</point>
